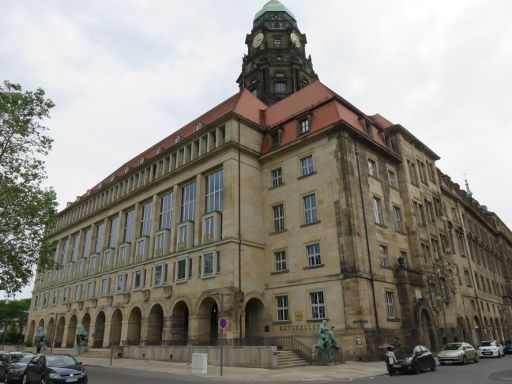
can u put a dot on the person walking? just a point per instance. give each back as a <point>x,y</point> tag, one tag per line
<point>391,360</point>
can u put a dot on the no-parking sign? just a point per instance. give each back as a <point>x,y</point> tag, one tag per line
<point>223,323</point>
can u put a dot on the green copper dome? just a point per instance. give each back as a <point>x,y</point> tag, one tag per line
<point>273,6</point>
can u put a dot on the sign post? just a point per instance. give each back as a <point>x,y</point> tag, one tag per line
<point>223,323</point>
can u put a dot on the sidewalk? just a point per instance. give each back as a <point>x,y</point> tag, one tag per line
<point>345,371</point>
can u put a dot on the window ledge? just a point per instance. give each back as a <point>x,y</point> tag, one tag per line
<point>277,233</point>
<point>314,266</point>
<point>310,224</point>
<point>376,177</point>
<point>206,277</point>
<point>182,281</point>
<point>279,272</point>
<point>275,187</point>
<point>381,225</point>
<point>304,176</point>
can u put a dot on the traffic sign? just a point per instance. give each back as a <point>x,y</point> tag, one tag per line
<point>223,323</point>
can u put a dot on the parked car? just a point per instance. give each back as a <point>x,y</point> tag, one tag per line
<point>491,348</point>
<point>414,359</point>
<point>54,369</point>
<point>507,348</point>
<point>12,366</point>
<point>457,353</point>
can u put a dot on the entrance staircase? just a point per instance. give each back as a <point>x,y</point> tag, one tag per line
<point>290,359</point>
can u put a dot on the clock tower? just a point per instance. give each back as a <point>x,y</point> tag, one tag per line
<point>276,64</point>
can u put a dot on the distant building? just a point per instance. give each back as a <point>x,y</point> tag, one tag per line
<point>296,205</point>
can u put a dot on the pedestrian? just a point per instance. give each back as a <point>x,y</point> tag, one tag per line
<point>390,361</point>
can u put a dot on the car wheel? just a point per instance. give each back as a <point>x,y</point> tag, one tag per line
<point>415,368</point>
<point>464,360</point>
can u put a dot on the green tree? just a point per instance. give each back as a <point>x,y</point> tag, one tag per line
<point>13,315</point>
<point>26,206</point>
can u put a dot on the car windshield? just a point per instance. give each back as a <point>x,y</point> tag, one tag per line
<point>404,352</point>
<point>486,344</point>
<point>451,347</point>
<point>60,361</point>
<point>21,357</point>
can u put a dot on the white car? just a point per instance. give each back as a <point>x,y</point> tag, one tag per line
<point>491,348</point>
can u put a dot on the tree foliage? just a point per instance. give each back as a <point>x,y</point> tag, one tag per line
<point>13,315</point>
<point>26,206</point>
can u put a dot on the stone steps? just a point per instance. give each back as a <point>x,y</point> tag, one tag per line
<point>289,359</point>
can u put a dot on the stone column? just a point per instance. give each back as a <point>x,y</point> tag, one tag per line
<point>144,329</point>
<point>166,332</point>
<point>106,333</point>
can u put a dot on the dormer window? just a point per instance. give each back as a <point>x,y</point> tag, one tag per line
<point>304,124</point>
<point>275,138</point>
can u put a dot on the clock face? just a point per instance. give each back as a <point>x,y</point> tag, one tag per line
<point>258,39</point>
<point>295,39</point>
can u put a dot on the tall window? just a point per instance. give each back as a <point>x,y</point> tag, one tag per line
<point>377,210</point>
<point>138,279</point>
<point>280,87</point>
<point>104,286</point>
<point>165,215</point>
<point>313,251</point>
<point>78,292</point>
<point>282,308</point>
<point>100,231</point>
<point>74,247</point>
<point>277,176</point>
<point>399,227</point>
<point>433,295</point>
<point>392,179</point>
<point>303,126</point>
<point>145,221</point>
<point>213,193</point>
<point>412,172</point>
<point>278,217</point>
<point>86,244</point>
<point>128,226</point>
<point>207,261</point>
<point>112,235</point>
<point>383,252</point>
<point>91,288</point>
<point>181,269</point>
<point>306,165</point>
<point>372,167</point>
<point>317,305</point>
<point>188,202</point>
<point>280,261</point>
<point>158,274</point>
<point>63,249</point>
<point>390,305</point>
<point>120,283</point>
<point>310,212</point>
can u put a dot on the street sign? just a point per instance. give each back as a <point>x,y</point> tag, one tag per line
<point>360,321</point>
<point>223,323</point>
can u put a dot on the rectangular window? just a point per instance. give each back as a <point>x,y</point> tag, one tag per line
<point>433,295</point>
<point>181,269</point>
<point>140,249</point>
<point>317,305</point>
<point>158,275</point>
<point>182,234</point>
<point>145,221</point>
<point>280,87</point>
<point>313,251</point>
<point>431,172</point>
<point>80,267</point>
<point>278,217</point>
<point>390,305</point>
<point>92,264</point>
<point>208,267</point>
<point>112,235</point>
<point>214,191</point>
<point>104,286</point>
<point>423,175</point>
<point>392,179</point>
<point>377,210</point>
<point>138,279</point>
<point>78,292</point>
<point>86,243</point>
<point>128,226</point>
<point>188,202</point>
<point>372,167</point>
<point>100,230</point>
<point>209,225</point>
<point>91,288</point>
<point>159,241</point>
<point>425,249</point>
<point>310,212</point>
<point>120,283</point>
<point>402,259</point>
<point>383,252</point>
<point>282,308</point>
<point>107,256</point>
<point>65,295</point>
<point>122,256</point>
<point>399,227</point>
<point>165,215</point>
<point>74,247</point>
<point>412,172</point>
<point>62,252</point>
<point>303,126</point>
<point>277,177</point>
<point>306,165</point>
<point>280,261</point>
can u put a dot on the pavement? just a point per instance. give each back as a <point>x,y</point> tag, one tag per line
<point>346,371</point>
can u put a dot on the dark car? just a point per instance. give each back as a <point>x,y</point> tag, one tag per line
<point>12,365</point>
<point>414,359</point>
<point>54,369</point>
<point>507,347</point>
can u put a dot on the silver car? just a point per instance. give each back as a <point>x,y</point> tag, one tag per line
<point>491,348</point>
<point>458,353</point>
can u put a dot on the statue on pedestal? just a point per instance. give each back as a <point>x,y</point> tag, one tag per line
<point>327,350</point>
<point>81,336</point>
<point>41,339</point>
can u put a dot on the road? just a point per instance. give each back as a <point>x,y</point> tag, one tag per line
<point>493,371</point>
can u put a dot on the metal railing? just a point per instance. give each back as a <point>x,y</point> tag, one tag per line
<point>282,342</point>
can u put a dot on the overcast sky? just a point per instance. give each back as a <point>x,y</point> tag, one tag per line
<point>125,74</point>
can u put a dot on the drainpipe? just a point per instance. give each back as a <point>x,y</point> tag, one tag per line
<point>239,233</point>
<point>377,327</point>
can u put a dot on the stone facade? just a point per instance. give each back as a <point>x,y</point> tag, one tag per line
<point>276,218</point>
